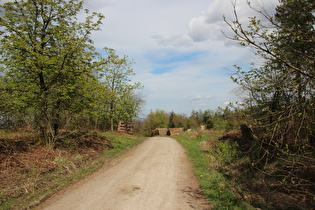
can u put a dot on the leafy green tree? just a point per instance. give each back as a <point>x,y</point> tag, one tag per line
<point>122,102</point>
<point>180,121</point>
<point>95,96</point>
<point>177,120</point>
<point>192,123</point>
<point>207,119</point>
<point>171,123</point>
<point>154,120</point>
<point>45,56</point>
<point>197,116</point>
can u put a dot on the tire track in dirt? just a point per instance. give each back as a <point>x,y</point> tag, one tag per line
<point>157,174</point>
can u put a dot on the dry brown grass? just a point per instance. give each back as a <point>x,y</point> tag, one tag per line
<point>256,186</point>
<point>26,167</point>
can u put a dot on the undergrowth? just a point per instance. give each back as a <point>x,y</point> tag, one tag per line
<point>30,173</point>
<point>231,180</point>
<point>207,156</point>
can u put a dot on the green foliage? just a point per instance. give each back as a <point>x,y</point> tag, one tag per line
<point>121,101</point>
<point>45,55</point>
<point>120,143</point>
<point>225,151</point>
<point>177,120</point>
<point>213,183</point>
<point>162,119</point>
<point>157,119</point>
<point>207,119</point>
<point>51,78</point>
<point>281,90</point>
<point>192,123</point>
<point>171,123</point>
<point>222,119</point>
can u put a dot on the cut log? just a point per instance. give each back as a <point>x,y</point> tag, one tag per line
<point>175,131</point>
<point>159,132</point>
<point>125,127</point>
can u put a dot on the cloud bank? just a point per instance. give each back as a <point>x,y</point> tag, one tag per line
<point>182,58</point>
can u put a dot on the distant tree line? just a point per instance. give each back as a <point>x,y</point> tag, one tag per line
<point>228,118</point>
<point>51,76</point>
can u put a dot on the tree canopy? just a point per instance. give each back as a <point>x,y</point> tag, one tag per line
<point>123,103</point>
<point>50,69</point>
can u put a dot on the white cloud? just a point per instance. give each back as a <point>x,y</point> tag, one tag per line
<point>97,5</point>
<point>210,24</point>
<point>198,29</point>
<point>182,37</point>
<point>177,41</point>
<point>5,1</point>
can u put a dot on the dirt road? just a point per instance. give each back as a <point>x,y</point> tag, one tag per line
<point>155,175</point>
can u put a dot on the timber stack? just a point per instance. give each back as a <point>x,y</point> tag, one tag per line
<point>169,132</point>
<point>125,127</point>
<point>175,131</point>
<point>159,132</point>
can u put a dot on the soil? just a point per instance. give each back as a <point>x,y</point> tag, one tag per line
<point>156,174</point>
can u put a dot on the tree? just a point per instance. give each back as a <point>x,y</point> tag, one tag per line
<point>192,123</point>
<point>282,89</point>
<point>266,41</point>
<point>197,115</point>
<point>171,123</point>
<point>154,120</point>
<point>122,102</point>
<point>207,119</point>
<point>45,55</point>
<point>180,121</point>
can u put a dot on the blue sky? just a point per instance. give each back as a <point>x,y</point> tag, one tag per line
<point>181,57</point>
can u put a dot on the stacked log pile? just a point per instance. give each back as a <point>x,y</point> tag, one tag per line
<point>165,131</point>
<point>153,133</point>
<point>175,131</point>
<point>159,132</point>
<point>162,131</point>
<point>125,127</point>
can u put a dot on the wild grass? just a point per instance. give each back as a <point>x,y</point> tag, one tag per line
<point>230,179</point>
<point>9,134</point>
<point>207,154</point>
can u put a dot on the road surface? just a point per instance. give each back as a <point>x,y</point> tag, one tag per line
<point>156,174</point>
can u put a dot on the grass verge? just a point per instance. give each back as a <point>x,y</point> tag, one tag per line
<point>30,173</point>
<point>206,158</point>
<point>230,179</point>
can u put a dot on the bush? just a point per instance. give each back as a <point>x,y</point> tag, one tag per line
<point>225,152</point>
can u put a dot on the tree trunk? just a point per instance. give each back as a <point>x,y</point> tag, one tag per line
<point>57,119</point>
<point>56,124</point>
<point>96,124</point>
<point>43,121</point>
<point>111,123</point>
<point>112,116</point>
<point>43,125</point>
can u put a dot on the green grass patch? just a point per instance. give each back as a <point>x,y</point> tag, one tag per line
<point>120,143</point>
<point>206,158</point>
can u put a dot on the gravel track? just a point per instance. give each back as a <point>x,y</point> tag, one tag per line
<point>156,174</point>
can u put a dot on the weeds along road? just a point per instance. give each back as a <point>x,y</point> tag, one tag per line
<point>156,174</point>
